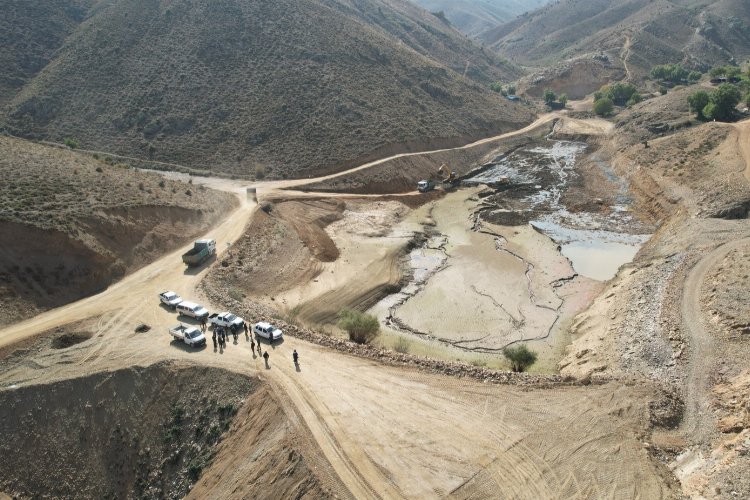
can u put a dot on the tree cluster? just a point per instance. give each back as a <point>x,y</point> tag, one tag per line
<point>551,99</point>
<point>674,73</point>
<point>716,105</point>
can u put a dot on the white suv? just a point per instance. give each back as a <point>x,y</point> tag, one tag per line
<point>267,331</point>
<point>192,310</point>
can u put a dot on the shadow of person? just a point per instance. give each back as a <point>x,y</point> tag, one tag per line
<point>296,367</point>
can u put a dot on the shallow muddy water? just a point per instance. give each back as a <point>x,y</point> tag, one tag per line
<point>536,179</point>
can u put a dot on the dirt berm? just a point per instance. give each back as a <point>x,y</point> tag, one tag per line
<point>151,433</point>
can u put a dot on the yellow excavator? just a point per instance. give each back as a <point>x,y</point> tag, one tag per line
<point>449,176</point>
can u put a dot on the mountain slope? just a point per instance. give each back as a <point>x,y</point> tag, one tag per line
<point>30,33</point>
<point>633,33</point>
<point>300,87</point>
<point>474,17</point>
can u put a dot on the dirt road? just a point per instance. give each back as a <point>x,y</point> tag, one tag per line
<point>697,424</point>
<point>743,143</point>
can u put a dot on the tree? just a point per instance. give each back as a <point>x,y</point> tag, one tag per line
<point>694,76</point>
<point>724,100</point>
<point>511,89</point>
<point>520,357</point>
<point>496,87</point>
<point>620,93</point>
<point>674,73</point>
<point>362,328</point>
<point>71,143</point>
<point>563,100</point>
<point>733,71</point>
<point>604,106</point>
<point>697,101</point>
<point>549,97</point>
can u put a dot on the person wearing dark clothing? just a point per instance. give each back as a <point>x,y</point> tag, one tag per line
<point>214,339</point>
<point>252,345</point>
<point>295,357</point>
<point>265,357</point>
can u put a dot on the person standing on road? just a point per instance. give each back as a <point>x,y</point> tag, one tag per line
<point>295,357</point>
<point>214,339</point>
<point>203,324</point>
<point>252,345</point>
<point>265,357</point>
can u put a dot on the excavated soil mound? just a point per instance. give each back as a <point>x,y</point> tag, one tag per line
<point>140,433</point>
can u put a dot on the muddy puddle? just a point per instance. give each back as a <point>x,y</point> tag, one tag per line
<point>531,183</point>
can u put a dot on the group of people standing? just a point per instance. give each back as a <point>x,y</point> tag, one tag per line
<point>221,334</point>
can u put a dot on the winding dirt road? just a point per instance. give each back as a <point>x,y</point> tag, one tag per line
<point>386,432</point>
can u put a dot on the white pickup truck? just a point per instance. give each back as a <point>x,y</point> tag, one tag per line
<point>227,320</point>
<point>189,335</point>
<point>170,299</point>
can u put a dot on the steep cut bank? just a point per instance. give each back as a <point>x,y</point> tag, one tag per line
<point>255,87</point>
<point>71,225</point>
<point>150,433</point>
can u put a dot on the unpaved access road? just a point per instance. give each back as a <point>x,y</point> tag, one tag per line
<point>386,432</point>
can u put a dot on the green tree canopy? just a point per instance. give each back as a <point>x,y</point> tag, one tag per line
<point>604,106</point>
<point>722,102</point>
<point>697,101</point>
<point>674,73</point>
<point>549,96</point>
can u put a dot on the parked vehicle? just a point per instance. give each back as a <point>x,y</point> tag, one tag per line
<point>192,310</point>
<point>267,331</point>
<point>190,335</point>
<point>226,319</point>
<point>170,299</point>
<point>202,250</point>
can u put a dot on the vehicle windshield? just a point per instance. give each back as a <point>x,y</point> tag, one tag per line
<point>192,335</point>
<point>170,296</point>
<point>230,317</point>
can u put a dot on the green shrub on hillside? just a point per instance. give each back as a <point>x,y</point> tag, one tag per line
<point>604,106</point>
<point>362,328</point>
<point>71,143</point>
<point>520,357</point>
<point>496,87</point>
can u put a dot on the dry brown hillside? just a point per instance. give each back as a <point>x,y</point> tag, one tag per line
<point>72,224</point>
<point>631,34</point>
<point>301,87</point>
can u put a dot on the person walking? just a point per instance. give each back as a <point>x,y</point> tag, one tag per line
<point>265,357</point>
<point>252,345</point>
<point>203,324</point>
<point>295,357</point>
<point>214,339</point>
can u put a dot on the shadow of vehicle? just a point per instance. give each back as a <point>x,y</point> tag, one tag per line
<point>195,270</point>
<point>182,345</point>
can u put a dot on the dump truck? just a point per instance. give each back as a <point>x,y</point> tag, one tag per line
<point>425,186</point>
<point>190,335</point>
<point>202,251</point>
